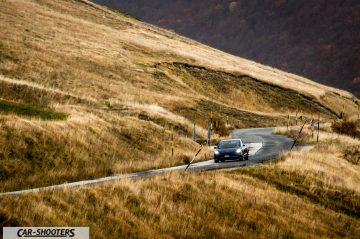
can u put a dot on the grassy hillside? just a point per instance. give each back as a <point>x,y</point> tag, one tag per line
<point>86,92</point>
<point>315,39</point>
<point>124,87</point>
<point>313,194</point>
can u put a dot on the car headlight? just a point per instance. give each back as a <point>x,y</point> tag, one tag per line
<point>238,151</point>
<point>216,152</point>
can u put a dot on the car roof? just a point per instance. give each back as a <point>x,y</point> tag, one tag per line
<point>229,140</point>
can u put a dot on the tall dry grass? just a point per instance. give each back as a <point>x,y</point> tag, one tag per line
<point>116,79</point>
<point>328,174</point>
<point>304,194</point>
<point>85,146</point>
<point>207,205</point>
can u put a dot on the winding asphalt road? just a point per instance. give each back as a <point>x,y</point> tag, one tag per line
<point>263,146</point>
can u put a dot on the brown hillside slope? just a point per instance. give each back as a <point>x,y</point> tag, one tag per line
<point>312,38</point>
<point>123,85</point>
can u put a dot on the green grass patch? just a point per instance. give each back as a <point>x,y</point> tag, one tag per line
<point>29,110</point>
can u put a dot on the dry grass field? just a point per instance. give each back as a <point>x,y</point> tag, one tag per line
<point>304,194</point>
<point>95,92</point>
<point>87,92</point>
<point>312,194</point>
<point>123,85</point>
<point>116,87</point>
<point>174,206</point>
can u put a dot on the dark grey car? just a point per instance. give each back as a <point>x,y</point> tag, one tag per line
<point>231,149</point>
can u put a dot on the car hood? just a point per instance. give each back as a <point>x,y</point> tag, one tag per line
<point>224,151</point>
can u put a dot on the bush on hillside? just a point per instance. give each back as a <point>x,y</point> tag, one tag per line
<point>347,127</point>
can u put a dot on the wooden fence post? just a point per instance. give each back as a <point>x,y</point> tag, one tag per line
<point>318,129</point>
<point>288,121</point>
<point>295,141</point>
<point>172,143</point>
<point>197,153</point>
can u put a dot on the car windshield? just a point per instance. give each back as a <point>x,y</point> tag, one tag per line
<point>229,144</point>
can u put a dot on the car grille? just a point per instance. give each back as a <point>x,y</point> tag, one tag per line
<point>228,156</point>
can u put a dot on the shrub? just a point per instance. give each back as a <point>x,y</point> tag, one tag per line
<point>347,127</point>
